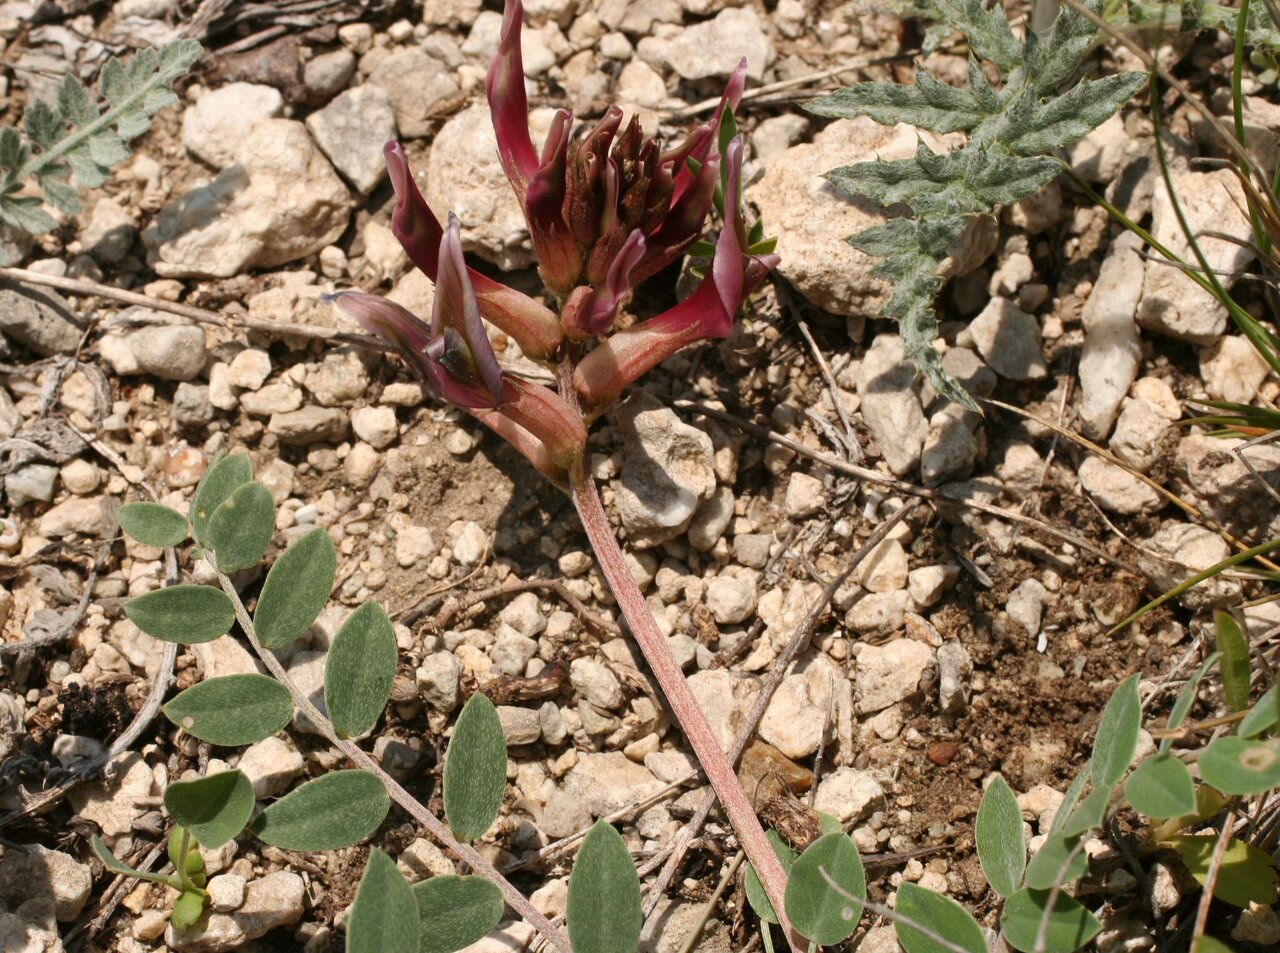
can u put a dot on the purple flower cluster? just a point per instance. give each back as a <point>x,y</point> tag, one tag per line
<point>605,209</point>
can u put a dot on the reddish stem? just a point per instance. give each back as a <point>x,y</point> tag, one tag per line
<point>680,697</point>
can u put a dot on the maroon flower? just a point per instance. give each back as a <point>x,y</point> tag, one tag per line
<point>587,199</point>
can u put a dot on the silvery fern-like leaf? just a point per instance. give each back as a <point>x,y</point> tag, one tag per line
<point>75,135</point>
<point>917,249</point>
<point>42,124</point>
<point>11,149</point>
<point>24,212</point>
<point>1068,118</point>
<point>58,192</point>
<point>87,172</point>
<point>928,103</point>
<point>987,31</point>
<point>1013,131</point>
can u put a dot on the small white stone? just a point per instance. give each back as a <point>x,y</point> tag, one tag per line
<point>270,765</point>
<point>731,599</point>
<point>226,892</point>
<point>375,425</point>
<point>849,794</point>
<point>805,496</point>
<point>471,545</point>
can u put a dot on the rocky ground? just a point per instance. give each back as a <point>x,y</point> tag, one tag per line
<point>972,640</point>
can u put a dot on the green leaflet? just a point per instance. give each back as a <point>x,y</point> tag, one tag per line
<point>1013,132</point>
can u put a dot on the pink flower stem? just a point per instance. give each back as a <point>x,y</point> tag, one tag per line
<point>680,697</point>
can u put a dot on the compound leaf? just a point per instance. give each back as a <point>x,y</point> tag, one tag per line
<point>1160,787</point>
<point>941,916</point>
<point>187,614</point>
<point>240,529</point>
<point>1002,847</point>
<point>1070,925</point>
<point>1245,875</point>
<point>1117,737</point>
<point>1240,765</point>
<point>454,912</point>
<point>297,588</point>
<point>475,769</point>
<point>815,908</point>
<point>337,809</point>
<point>384,915</point>
<point>214,808</point>
<point>232,709</point>
<point>153,524</point>
<point>359,670</point>
<point>219,482</point>
<point>603,910</point>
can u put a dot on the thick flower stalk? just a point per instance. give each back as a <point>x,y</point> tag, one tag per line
<point>606,209</point>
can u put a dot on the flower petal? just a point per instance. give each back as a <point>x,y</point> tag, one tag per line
<point>455,308</point>
<point>703,141</point>
<point>596,311</point>
<point>533,326</point>
<point>558,253</point>
<point>508,104</point>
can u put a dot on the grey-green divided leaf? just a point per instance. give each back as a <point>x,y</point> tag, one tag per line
<point>1233,648</point>
<point>1263,716</point>
<point>603,912</point>
<point>1240,765</point>
<point>1070,925</point>
<point>384,915</point>
<point>1161,787</point>
<point>297,588</point>
<point>929,104</point>
<point>454,912</point>
<point>475,769</point>
<point>220,481</point>
<point>186,614</point>
<point>359,670</point>
<point>1065,119</point>
<point>941,916</point>
<point>152,524</point>
<point>756,896</point>
<point>232,709</point>
<point>817,910</point>
<point>214,808</point>
<point>1002,848</point>
<point>987,29</point>
<point>1117,737</point>
<point>337,809</point>
<point>240,529</point>
<point>1186,698</point>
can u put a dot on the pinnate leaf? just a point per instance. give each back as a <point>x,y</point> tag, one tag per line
<point>214,808</point>
<point>337,809</point>
<point>1233,665</point>
<point>929,104</point>
<point>603,911</point>
<point>219,482</point>
<point>1160,787</point>
<point>1240,765</point>
<point>475,769</point>
<point>941,915</point>
<point>240,529</point>
<point>1245,875</point>
<point>1067,118</point>
<point>1263,716</point>
<point>1059,860</point>
<point>187,614</point>
<point>756,895</point>
<point>384,915</point>
<point>297,588</point>
<point>232,709</point>
<point>1002,847</point>
<point>153,524</point>
<point>1186,698</point>
<point>1117,737</point>
<point>359,670</point>
<point>454,912</point>
<point>1070,925</point>
<point>816,909</point>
